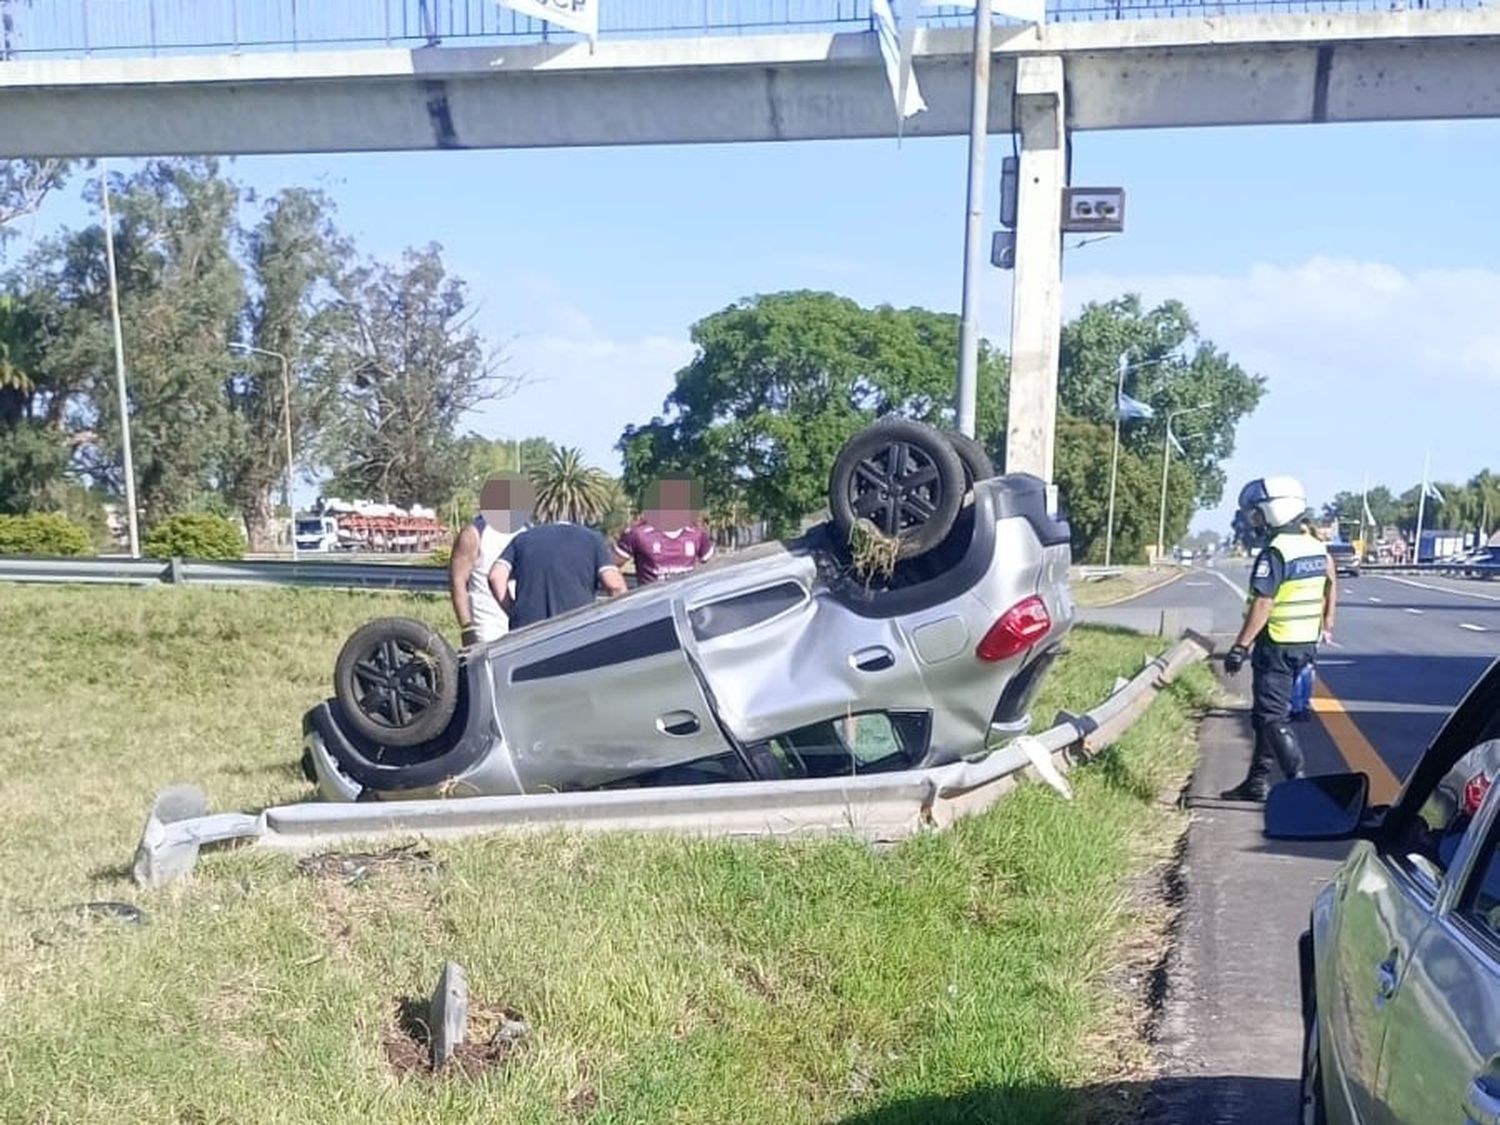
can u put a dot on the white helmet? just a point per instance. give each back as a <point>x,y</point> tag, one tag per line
<point>1273,502</point>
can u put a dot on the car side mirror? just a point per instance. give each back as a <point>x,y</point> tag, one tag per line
<point>1326,807</point>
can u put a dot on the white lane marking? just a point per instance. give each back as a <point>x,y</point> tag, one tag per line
<point>1232,584</point>
<point>1337,663</point>
<point>1375,600</point>
<point>1440,589</point>
<point>1472,628</point>
<point>1418,612</point>
<point>1197,584</point>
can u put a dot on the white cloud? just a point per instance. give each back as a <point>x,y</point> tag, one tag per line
<point>1367,364</point>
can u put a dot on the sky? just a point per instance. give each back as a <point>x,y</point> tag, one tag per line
<point>1355,267</point>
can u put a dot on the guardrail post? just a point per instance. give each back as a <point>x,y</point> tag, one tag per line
<point>175,573</point>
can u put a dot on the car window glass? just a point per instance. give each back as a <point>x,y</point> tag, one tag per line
<point>1431,838</point>
<point>741,611</point>
<point>871,742</point>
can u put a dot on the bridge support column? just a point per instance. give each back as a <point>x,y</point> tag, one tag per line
<point>1036,301</point>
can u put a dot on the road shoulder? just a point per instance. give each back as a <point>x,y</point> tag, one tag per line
<point>1230,1010</point>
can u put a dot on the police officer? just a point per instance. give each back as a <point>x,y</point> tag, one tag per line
<point>1293,594</point>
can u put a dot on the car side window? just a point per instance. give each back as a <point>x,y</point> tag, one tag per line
<point>870,742</point>
<point>729,615</point>
<point>1428,842</point>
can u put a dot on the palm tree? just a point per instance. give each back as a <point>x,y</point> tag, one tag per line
<point>567,489</point>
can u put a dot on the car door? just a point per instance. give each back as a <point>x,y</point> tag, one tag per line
<point>1383,905</point>
<point>613,698</point>
<point>1441,1057</point>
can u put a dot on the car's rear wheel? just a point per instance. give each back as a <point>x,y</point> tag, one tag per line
<point>397,682</point>
<point>976,462</point>
<point>904,478</point>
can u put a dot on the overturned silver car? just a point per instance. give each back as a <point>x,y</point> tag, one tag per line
<point>785,661</point>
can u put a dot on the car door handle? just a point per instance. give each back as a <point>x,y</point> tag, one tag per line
<point>1386,979</point>
<point>876,658</point>
<point>1481,1103</point>
<point>678,724</point>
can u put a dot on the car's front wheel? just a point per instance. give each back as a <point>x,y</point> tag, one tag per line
<point>397,682</point>
<point>903,478</point>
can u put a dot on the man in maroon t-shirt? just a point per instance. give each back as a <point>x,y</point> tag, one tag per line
<point>667,540</point>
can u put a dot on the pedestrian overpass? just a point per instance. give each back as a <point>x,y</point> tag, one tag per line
<point>157,77</point>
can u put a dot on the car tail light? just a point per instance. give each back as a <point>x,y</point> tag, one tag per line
<point>1019,627</point>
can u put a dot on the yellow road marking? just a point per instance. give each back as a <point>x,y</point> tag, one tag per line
<point>1356,749</point>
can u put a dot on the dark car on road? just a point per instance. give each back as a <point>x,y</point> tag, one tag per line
<point>1400,966</point>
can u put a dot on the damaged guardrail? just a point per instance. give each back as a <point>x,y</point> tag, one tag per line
<point>879,807</point>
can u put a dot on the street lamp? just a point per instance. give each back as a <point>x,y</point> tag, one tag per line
<point>131,517</point>
<point>286,419</point>
<point>1166,447</point>
<point>1114,464</point>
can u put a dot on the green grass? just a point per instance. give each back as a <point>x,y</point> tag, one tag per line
<point>958,977</point>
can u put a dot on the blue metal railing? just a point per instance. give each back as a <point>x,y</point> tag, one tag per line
<point>74,28</point>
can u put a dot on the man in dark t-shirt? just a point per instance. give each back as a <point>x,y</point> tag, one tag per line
<point>557,567</point>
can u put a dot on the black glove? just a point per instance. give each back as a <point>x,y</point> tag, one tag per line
<point>1234,659</point>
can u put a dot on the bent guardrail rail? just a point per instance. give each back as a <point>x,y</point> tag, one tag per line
<point>879,808</point>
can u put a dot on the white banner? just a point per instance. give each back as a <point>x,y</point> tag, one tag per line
<point>1028,11</point>
<point>896,53</point>
<point>575,15</point>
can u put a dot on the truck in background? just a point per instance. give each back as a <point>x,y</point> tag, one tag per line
<point>363,525</point>
<point>1435,546</point>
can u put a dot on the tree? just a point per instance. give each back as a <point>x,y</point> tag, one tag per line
<point>181,293</point>
<point>481,458</point>
<point>568,489</point>
<point>402,367</point>
<point>295,253</point>
<point>1084,452</point>
<point>1170,368</point>
<point>780,381</point>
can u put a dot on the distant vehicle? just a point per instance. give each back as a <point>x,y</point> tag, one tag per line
<point>1345,559</point>
<point>1437,546</point>
<point>784,661</point>
<point>1184,555</point>
<point>362,525</point>
<point>1401,965</point>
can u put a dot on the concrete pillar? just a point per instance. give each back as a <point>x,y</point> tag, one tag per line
<point>1036,302</point>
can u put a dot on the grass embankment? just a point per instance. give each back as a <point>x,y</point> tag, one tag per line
<point>1131,581</point>
<point>963,976</point>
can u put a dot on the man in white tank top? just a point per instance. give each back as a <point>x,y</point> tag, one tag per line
<point>475,553</point>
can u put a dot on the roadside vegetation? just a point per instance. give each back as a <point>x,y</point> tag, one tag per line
<point>1131,580</point>
<point>965,976</point>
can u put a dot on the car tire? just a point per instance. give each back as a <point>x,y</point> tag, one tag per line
<point>905,478</point>
<point>976,462</point>
<point>1313,1110</point>
<point>396,680</point>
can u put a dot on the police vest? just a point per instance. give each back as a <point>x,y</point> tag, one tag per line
<point>1297,607</point>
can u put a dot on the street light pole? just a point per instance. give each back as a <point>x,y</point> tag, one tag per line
<point>968,324</point>
<point>286,421</point>
<point>1166,448</point>
<point>1114,464</point>
<point>114,316</point>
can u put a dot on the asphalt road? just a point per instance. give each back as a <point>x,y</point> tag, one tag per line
<point>1406,650</point>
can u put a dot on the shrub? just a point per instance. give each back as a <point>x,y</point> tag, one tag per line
<point>42,533</point>
<point>441,555</point>
<point>195,535</point>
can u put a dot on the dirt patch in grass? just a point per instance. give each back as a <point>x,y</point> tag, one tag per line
<point>355,867</point>
<point>495,1035</point>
